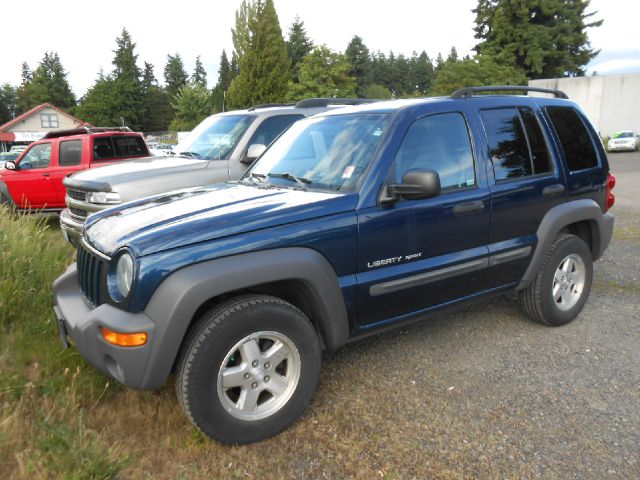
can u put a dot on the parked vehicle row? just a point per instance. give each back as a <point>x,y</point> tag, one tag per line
<point>34,181</point>
<point>221,148</point>
<point>353,221</point>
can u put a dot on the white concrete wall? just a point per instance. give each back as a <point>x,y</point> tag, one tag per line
<point>611,101</point>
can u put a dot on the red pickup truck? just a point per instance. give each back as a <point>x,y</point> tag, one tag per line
<point>34,180</point>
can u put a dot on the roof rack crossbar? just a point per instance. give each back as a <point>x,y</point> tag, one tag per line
<point>84,130</point>
<point>270,105</point>
<point>324,102</point>
<point>469,91</point>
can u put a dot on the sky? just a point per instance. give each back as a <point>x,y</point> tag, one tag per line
<point>84,33</point>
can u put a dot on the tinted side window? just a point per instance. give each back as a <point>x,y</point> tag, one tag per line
<point>574,137</point>
<point>102,148</point>
<point>268,130</point>
<point>539,152</point>
<point>129,146</point>
<point>438,142</point>
<point>508,144</point>
<point>70,153</point>
<point>39,156</point>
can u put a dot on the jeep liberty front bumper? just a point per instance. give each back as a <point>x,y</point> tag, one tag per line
<point>82,326</point>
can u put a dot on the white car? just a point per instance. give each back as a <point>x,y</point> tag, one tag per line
<point>627,140</point>
<point>161,150</point>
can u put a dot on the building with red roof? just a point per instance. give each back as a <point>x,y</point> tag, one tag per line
<point>34,124</point>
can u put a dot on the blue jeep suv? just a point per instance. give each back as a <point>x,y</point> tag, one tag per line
<point>351,222</point>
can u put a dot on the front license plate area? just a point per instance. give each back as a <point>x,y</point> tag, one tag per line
<point>62,329</point>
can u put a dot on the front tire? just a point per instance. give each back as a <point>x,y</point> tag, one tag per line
<point>561,287</point>
<point>248,369</point>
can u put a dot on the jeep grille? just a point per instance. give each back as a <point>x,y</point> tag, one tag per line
<point>90,270</point>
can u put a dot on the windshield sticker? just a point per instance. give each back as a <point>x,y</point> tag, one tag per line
<point>377,132</point>
<point>348,171</point>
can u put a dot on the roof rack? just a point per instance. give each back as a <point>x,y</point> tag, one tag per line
<point>270,105</point>
<point>324,102</point>
<point>469,91</point>
<point>84,130</point>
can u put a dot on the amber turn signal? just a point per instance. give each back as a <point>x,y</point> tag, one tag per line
<point>124,339</point>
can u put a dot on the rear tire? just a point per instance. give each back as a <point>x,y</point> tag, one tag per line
<point>248,369</point>
<point>561,287</point>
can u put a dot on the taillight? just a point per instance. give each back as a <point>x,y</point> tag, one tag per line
<point>611,182</point>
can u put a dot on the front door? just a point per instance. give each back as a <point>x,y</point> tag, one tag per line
<point>31,186</point>
<point>418,254</point>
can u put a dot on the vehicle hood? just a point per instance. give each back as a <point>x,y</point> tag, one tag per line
<point>201,214</point>
<point>105,178</point>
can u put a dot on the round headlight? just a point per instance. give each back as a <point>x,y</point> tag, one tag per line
<point>124,274</point>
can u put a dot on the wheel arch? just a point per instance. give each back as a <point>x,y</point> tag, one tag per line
<point>582,218</point>
<point>301,276</point>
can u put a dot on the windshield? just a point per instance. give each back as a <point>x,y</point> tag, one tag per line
<point>215,138</point>
<point>623,135</point>
<point>328,153</point>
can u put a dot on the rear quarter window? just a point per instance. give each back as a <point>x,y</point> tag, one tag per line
<point>577,144</point>
<point>129,147</point>
<point>70,153</point>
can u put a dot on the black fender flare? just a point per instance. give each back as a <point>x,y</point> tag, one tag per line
<point>559,217</point>
<point>178,298</point>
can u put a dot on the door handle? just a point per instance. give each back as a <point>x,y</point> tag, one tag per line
<point>467,208</point>
<point>45,174</point>
<point>553,190</point>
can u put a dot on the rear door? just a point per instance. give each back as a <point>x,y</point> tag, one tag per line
<point>31,185</point>
<point>70,154</point>
<point>525,184</point>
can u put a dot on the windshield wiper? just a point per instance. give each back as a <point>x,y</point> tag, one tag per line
<point>190,154</point>
<point>253,176</point>
<point>290,176</point>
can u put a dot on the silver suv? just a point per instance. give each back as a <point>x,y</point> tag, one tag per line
<point>221,148</point>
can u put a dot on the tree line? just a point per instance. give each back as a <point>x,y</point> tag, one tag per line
<point>518,40</point>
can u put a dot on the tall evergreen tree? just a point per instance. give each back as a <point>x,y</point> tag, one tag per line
<point>175,76</point>
<point>453,55</point>
<point>97,106</point>
<point>148,77</point>
<point>192,105</point>
<point>225,73</point>
<point>478,71</point>
<point>156,106</point>
<point>262,57</point>
<point>26,73</point>
<point>358,56</point>
<point>119,96</point>
<point>299,45</point>
<point>199,76</point>
<point>48,83</point>
<point>422,73</point>
<point>544,38</point>
<point>8,103</point>
<point>128,103</point>
<point>323,73</point>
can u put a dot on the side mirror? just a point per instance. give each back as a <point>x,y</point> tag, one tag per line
<point>416,185</point>
<point>255,151</point>
<point>10,165</point>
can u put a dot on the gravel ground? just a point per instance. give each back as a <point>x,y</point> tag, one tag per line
<point>486,393</point>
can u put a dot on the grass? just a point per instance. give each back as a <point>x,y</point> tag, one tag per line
<point>44,390</point>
